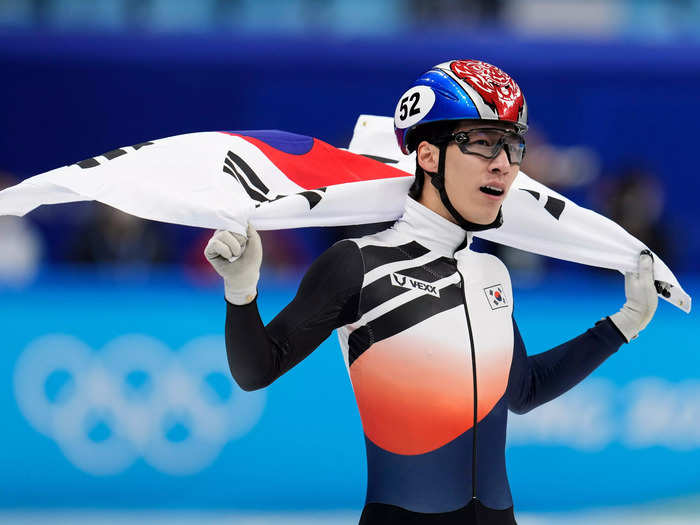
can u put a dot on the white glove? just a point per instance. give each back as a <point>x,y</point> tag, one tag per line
<point>237,260</point>
<point>642,299</point>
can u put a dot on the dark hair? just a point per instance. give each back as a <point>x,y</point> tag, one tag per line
<point>431,132</point>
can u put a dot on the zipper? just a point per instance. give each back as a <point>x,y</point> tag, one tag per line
<point>473,352</point>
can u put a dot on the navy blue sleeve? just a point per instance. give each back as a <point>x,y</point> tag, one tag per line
<point>327,298</point>
<point>539,378</point>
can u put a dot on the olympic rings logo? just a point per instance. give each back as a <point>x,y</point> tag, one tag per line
<point>134,399</point>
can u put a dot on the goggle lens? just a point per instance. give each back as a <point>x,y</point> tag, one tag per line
<point>487,143</point>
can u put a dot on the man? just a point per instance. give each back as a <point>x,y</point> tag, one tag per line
<point>426,325</point>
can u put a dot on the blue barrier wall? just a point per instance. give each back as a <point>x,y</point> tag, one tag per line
<point>114,393</point>
<point>65,97</point>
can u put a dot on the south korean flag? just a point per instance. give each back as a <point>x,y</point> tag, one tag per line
<point>278,180</point>
<point>496,297</point>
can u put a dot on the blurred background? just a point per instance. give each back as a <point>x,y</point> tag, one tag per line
<point>164,435</point>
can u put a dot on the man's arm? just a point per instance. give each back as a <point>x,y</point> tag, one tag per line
<point>327,298</point>
<point>536,379</point>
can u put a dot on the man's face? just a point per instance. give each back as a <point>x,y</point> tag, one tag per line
<point>467,175</point>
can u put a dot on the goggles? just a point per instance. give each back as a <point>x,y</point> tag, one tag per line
<point>488,143</point>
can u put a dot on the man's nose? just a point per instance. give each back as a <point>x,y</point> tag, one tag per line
<point>500,162</point>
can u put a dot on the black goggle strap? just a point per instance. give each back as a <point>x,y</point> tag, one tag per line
<point>438,180</point>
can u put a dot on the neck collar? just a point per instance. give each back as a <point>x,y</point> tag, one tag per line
<point>431,229</point>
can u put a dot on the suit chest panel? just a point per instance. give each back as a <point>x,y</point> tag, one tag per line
<point>410,358</point>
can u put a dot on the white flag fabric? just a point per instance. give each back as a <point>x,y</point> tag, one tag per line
<point>279,180</point>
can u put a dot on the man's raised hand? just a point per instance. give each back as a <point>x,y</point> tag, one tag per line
<point>237,259</point>
<point>642,299</point>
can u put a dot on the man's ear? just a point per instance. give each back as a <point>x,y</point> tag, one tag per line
<point>428,156</point>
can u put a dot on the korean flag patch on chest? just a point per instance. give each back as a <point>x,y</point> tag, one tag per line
<point>496,296</point>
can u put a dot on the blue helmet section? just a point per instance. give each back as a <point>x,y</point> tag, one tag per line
<point>451,103</point>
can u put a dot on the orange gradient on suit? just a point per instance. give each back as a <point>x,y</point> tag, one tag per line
<point>492,371</point>
<point>414,390</point>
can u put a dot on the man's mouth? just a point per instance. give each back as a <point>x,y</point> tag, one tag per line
<point>492,190</point>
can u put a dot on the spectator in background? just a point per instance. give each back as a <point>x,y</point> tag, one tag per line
<point>565,169</point>
<point>635,200</point>
<point>22,244</point>
<point>455,12</point>
<point>118,238</point>
<point>562,168</point>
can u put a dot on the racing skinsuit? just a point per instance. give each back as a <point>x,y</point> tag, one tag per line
<point>435,359</point>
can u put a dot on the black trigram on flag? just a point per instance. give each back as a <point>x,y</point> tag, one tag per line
<point>113,154</point>
<point>553,205</point>
<point>256,189</point>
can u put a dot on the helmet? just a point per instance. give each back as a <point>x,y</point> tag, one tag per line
<point>459,90</point>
